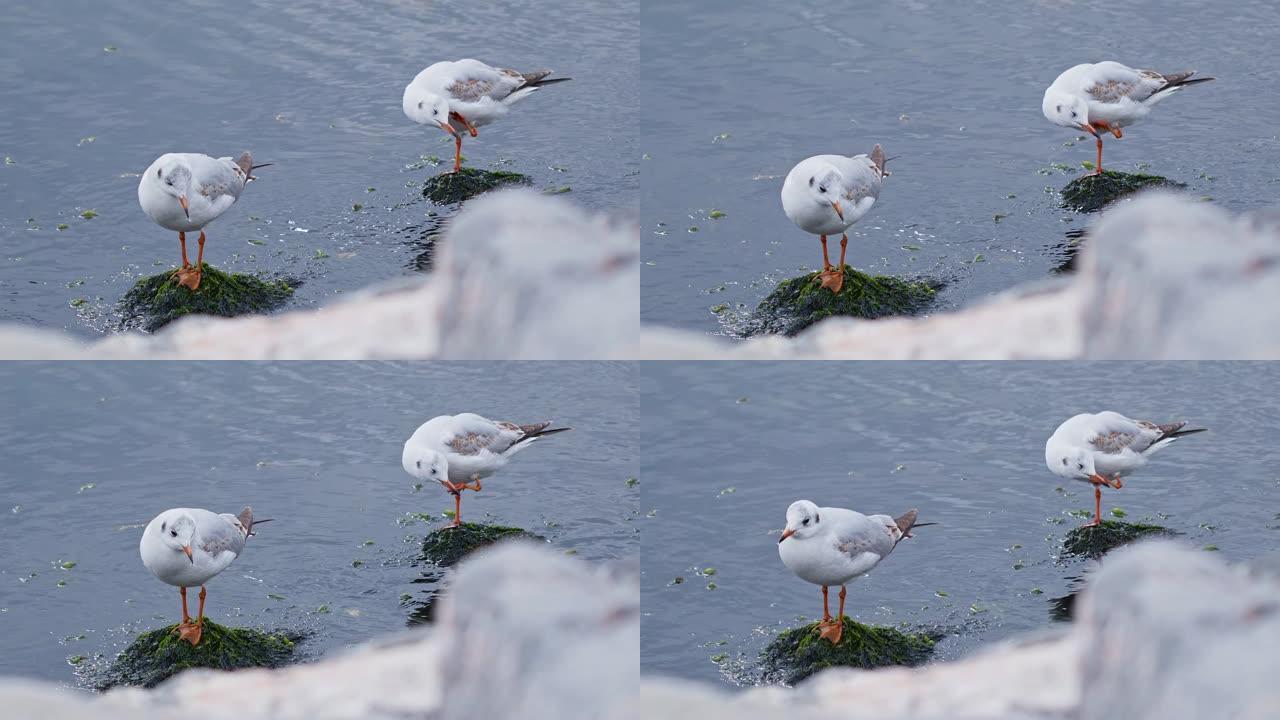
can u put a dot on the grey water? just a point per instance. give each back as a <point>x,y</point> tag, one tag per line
<point>94,91</point>
<point>729,446</point>
<point>738,93</point>
<point>90,452</point>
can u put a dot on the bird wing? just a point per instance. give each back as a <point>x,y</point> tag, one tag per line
<point>1110,82</point>
<point>474,434</point>
<point>221,533</point>
<point>1114,433</point>
<point>472,80</point>
<point>862,179</point>
<point>216,179</point>
<point>861,539</point>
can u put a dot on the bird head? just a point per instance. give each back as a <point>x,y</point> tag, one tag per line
<point>802,520</point>
<point>1070,463</point>
<point>427,108</point>
<point>175,180</point>
<point>424,463</point>
<point>1067,110</point>
<point>176,529</point>
<point>824,189</point>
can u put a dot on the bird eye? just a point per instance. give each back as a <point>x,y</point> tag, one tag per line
<point>1073,113</point>
<point>435,112</point>
<point>1080,466</point>
<point>173,533</point>
<point>822,188</point>
<point>806,521</point>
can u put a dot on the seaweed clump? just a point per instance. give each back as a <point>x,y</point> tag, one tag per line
<point>446,546</point>
<point>802,301</point>
<point>797,653</point>
<point>159,654</point>
<point>1092,192</point>
<point>1094,541</point>
<point>464,184</point>
<point>158,300</point>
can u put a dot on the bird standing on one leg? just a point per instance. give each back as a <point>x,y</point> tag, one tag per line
<point>457,451</point>
<point>1101,448</point>
<point>1105,97</point>
<point>469,93</point>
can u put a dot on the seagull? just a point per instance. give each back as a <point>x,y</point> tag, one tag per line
<point>1101,448</point>
<point>188,547</point>
<point>184,192</point>
<point>458,450</point>
<point>1107,96</point>
<point>469,92</point>
<point>826,194</point>
<point>834,546</point>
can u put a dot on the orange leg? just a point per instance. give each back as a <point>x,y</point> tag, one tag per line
<point>191,633</point>
<point>186,618</point>
<point>826,262</point>
<point>182,238</point>
<point>831,628</point>
<point>457,153</point>
<point>826,610</point>
<point>1097,507</point>
<point>832,277</point>
<point>1099,168</point>
<point>457,508</point>
<point>844,243</point>
<point>466,123</point>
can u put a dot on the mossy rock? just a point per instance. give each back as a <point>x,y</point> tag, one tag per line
<point>159,654</point>
<point>454,187</point>
<point>1090,193</point>
<point>448,545</point>
<point>1096,540</point>
<point>799,652</point>
<point>158,300</point>
<point>800,302</point>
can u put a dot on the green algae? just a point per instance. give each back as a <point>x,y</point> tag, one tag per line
<point>1091,192</point>
<point>159,654</point>
<point>448,545</point>
<point>800,302</point>
<point>1092,541</point>
<point>797,653</point>
<point>455,187</point>
<point>158,300</point>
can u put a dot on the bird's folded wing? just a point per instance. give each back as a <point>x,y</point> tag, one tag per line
<point>1110,82</point>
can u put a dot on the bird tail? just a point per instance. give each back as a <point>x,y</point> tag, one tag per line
<point>245,163</point>
<point>1176,81</point>
<point>538,78</point>
<point>1170,432</point>
<point>906,522</point>
<point>878,159</point>
<point>246,520</point>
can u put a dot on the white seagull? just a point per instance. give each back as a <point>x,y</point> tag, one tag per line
<point>834,546</point>
<point>458,450</point>
<point>469,92</point>
<point>826,194</point>
<point>184,192</point>
<point>1101,448</point>
<point>1107,96</point>
<point>188,547</point>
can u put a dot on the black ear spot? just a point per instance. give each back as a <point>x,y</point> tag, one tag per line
<point>158,171</point>
<point>1059,107</point>
<point>810,182</point>
<point>1064,461</point>
<point>815,517</point>
<point>162,525</point>
<point>420,464</point>
<point>419,104</point>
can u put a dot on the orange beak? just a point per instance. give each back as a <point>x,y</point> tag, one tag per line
<point>1089,128</point>
<point>836,206</point>
<point>786,534</point>
<point>187,549</point>
<point>186,209</point>
<point>449,129</point>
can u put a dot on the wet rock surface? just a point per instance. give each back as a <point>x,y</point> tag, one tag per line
<point>800,302</point>
<point>455,187</point>
<point>1092,192</point>
<point>446,546</point>
<point>1093,541</point>
<point>159,654</point>
<point>797,653</point>
<point>157,300</point>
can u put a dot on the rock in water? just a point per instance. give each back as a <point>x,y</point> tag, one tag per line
<point>802,301</point>
<point>454,187</point>
<point>1096,540</point>
<point>799,652</point>
<point>159,654</point>
<point>1090,193</point>
<point>157,300</point>
<point>446,546</point>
